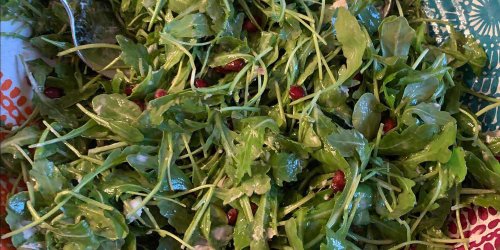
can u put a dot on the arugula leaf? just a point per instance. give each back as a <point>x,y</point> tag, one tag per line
<point>481,172</point>
<point>190,26</point>
<point>285,167</point>
<point>350,143</point>
<point>116,107</point>
<point>291,233</point>
<point>410,140</point>
<point>406,200</point>
<point>75,236</point>
<point>396,36</point>
<point>428,113</point>
<point>353,41</point>
<point>421,92</point>
<point>134,55</point>
<point>251,142</point>
<point>484,200</point>
<point>437,150</point>
<point>49,180</point>
<point>366,115</point>
<point>24,137</point>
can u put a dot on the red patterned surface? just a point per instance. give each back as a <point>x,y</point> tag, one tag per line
<point>13,102</point>
<point>15,108</point>
<point>481,225</point>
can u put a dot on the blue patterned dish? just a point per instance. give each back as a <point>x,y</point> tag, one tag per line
<point>481,20</point>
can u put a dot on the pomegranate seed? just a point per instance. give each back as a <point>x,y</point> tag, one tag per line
<point>296,92</point>
<point>498,157</point>
<point>358,77</point>
<point>232,215</point>
<point>250,26</point>
<point>200,83</point>
<point>338,181</point>
<point>53,92</point>
<point>160,92</point>
<point>254,207</point>
<point>235,66</point>
<point>128,90</point>
<point>141,104</point>
<point>32,151</point>
<point>220,70</point>
<point>389,124</point>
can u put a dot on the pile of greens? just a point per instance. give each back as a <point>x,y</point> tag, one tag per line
<point>109,170</point>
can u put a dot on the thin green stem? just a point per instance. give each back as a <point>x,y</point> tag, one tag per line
<point>89,46</point>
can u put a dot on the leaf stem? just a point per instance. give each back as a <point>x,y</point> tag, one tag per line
<point>288,209</point>
<point>487,108</point>
<point>89,46</point>
<point>164,233</point>
<point>476,191</point>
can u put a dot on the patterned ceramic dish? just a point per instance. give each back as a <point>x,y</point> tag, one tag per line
<point>477,18</point>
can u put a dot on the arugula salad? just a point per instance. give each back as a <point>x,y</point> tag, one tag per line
<point>238,124</point>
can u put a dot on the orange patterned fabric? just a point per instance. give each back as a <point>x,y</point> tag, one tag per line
<point>13,102</point>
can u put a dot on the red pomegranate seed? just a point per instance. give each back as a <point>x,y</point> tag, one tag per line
<point>140,103</point>
<point>358,77</point>
<point>498,157</point>
<point>389,124</point>
<point>32,151</point>
<point>160,92</point>
<point>232,215</point>
<point>296,92</point>
<point>200,83</point>
<point>338,181</point>
<point>128,90</point>
<point>220,70</point>
<point>53,92</point>
<point>235,66</point>
<point>249,26</point>
<point>254,207</point>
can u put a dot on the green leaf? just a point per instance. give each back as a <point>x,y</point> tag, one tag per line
<point>40,71</point>
<point>134,55</point>
<point>396,36</point>
<point>291,233</point>
<point>428,113</point>
<point>484,200</point>
<point>24,137</point>
<point>251,142</point>
<point>261,222</point>
<point>353,41</point>
<point>285,167</point>
<point>18,216</point>
<point>390,229</point>
<point>122,128</point>
<point>421,91</point>
<point>190,26</point>
<point>149,84</point>
<point>178,217</point>
<point>76,236</point>
<point>336,241</point>
<point>108,224</point>
<point>49,180</point>
<point>366,115</point>
<point>116,107</point>
<point>349,143</point>
<point>455,169</point>
<point>178,6</point>
<point>406,200</point>
<point>437,150</point>
<point>410,140</point>
<point>242,232</point>
<point>465,50</point>
<point>481,172</point>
